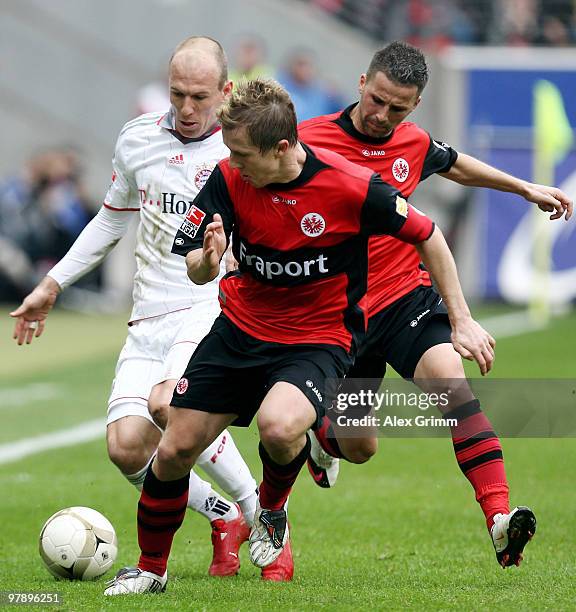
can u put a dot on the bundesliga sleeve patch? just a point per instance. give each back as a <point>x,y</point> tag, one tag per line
<point>401,206</point>
<point>192,221</point>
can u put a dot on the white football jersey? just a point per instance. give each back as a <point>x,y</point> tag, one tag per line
<point>159,176</point>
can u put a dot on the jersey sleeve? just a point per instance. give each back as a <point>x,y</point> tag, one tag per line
<point>385,211</point>
<point>440,157</point>
<point>213,198</point>
<point>123,192</point>
<point>97,239</point>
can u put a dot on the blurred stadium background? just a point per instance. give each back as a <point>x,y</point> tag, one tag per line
<point>74,71</point>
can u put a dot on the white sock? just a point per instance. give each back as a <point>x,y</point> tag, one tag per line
<point>224,464</point>
<point>248,507</point>
<point>137,479</point>
<point>203,499</point>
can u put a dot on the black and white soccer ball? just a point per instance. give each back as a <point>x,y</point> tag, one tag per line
<point>78,544</point>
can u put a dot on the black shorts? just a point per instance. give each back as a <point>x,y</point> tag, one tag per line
<point>401,333</point>
<point>231,372</point>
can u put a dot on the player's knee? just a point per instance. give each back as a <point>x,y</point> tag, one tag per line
<point>177,455</point>
<point>128,453</point>
<point>279,432</point>
<point>158,411</point>
<point>453,393</point>
<point>360,451</point>
<point>131,441</point>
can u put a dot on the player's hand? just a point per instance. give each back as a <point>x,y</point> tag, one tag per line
<point>474,343</point>
<point>214,244</point>
<point>550,199</point>
<point>31,314</point>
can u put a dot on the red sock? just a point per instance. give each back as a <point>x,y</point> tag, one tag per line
<point>278,479</point>
<point>161,510</point>
<point>479,456</point>
<point>327,438</point>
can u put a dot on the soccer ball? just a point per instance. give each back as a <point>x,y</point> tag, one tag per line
<point>78,543</point>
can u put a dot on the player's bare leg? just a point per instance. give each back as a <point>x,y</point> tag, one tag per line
<point>357,450</point>
<point>283,419</point>
<point>222,462</point>
<point>132,441</point>
<point>165,495</point>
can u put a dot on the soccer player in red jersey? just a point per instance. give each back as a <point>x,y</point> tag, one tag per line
<point>409,327</point>
<point>293,314</point>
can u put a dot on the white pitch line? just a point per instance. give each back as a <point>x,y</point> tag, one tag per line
<point>86,432</point>
<point>510,324</point>
<point>13,397</point>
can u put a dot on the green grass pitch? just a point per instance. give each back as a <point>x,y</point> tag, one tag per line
<point>400,532</point>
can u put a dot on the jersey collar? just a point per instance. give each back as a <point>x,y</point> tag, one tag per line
<point>167,122</point>
<point>346,123</point>
<point>312,165</point>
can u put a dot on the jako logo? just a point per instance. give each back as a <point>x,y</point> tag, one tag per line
<point>279,199</point>
<point>415,321</point>
<point>271,269</point>
<point>373,153</point>
<point>314,389</point>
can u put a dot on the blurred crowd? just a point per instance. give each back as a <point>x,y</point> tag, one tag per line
<point>433,24</point>
<point>43,208</point>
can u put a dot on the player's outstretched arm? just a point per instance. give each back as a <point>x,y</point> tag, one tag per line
<point>469,339</point>
<point>468,170</point>
<point>95,241</point>
<point>31,314</point>
<point>204,264</point>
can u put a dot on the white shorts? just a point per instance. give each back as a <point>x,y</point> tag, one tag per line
<point>156,349</point>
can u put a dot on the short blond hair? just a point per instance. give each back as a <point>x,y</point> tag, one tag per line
<point>265,109</point>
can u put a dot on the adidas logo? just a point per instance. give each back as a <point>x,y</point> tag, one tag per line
<point>177,159</point>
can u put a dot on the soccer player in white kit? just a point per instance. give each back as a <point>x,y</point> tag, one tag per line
<point>161,162</point>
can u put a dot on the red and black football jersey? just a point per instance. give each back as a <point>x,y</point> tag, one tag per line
<point>402,159</point>
<point>302,247</point>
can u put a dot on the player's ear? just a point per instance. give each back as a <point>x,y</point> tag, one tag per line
<point>227,89</point>
<point>362,83</point>
<point>417,101</point>
<point>282,146</point>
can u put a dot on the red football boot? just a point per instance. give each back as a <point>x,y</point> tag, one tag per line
<point>227,536</point>
<point>281,570</point>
